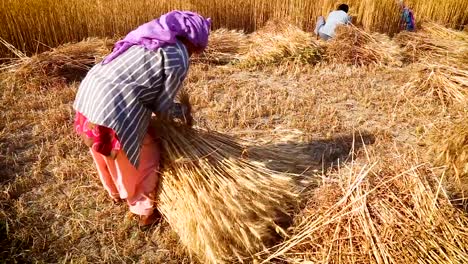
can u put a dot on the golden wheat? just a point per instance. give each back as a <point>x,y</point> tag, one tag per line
<point>381,210</point>
<point>371,214</point>
<point>448,147</point>
<point>224,206</point>
<point>224,46</point>
<point>35,25</point>
<point>279,42</point>
<point>356,47</point>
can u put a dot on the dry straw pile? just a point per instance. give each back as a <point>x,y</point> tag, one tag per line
<point>62,65</point>
<point>280,42</point>
<point>372,214</point>
<point>71,62</point>
<point>435,42</point>
<point>448,147</point>
<point>224,206</point>
<point>224,46</point>
<point>354,46</point>
<point>441,55</point>
<point>447,83</point>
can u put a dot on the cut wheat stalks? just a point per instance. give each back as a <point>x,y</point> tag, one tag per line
<point>9,64</point>
<point>363,214</point>
<point>62,65</point>
<point>448,83</point>
<point>354,46</point>
<point>18,53</point>
<point>448,148</point>
<point>280,42</point>
<point>436,43</point>
<point>224,206</point>
<point>437,30</point>
<point>224,46</point>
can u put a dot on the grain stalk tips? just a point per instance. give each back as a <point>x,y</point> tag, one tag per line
<point>28,22</point>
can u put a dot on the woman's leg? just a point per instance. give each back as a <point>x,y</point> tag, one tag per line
<point>137,185</point>
<point>104,174</point>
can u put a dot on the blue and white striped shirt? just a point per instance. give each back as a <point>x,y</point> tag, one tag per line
<point>123,93</point>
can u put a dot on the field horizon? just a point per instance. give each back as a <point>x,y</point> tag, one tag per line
<point>38,25</point>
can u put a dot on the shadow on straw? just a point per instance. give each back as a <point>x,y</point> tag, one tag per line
<point>310,157</point>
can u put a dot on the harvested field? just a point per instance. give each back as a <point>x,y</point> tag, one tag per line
<point>377,138</point>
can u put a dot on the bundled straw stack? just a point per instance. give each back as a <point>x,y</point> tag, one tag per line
<point>448,83</point>
<point>367,214</point>
<point>354,46</point>
<point>224,46</point>
<point>436,43</point>
<point>448,147</point>
<point>280,42</point>
<point>62,65</point>
<point>441,55</point>
<point>224,206</point>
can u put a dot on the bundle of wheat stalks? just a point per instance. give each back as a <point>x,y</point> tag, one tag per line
<point>224,206</point>
<point>375,213</point>
<point>280,42</point>
<point>224,46</point>
<point>435,42</point>
<point>441,55</point>
<point>62,65</point>
<point>448,83</point>
<point>448,147</point>
<point>354,46</point>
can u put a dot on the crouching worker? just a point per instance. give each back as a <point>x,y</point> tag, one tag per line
<point>117,98</point>
<point>326,29</point>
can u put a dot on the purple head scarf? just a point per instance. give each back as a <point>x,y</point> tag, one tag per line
<point>165,30</point>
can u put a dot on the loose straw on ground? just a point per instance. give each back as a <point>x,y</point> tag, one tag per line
<point>448,147</point>
<point>367,214</point>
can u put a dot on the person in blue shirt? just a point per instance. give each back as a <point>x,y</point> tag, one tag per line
<point>407,21</point>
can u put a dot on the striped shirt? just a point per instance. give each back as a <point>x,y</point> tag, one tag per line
<point>123,93</point>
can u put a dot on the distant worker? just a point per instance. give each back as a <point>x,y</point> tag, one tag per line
<point>326,29</point>
<point>407,21</point>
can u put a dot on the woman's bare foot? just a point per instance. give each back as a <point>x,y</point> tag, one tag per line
<point>116,199</point>
<point>148,220</point>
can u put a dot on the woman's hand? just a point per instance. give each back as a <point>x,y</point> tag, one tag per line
<point>182,112</point>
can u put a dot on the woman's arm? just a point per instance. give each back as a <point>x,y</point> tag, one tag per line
<point>175,67</point>
<point>173,74</point>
